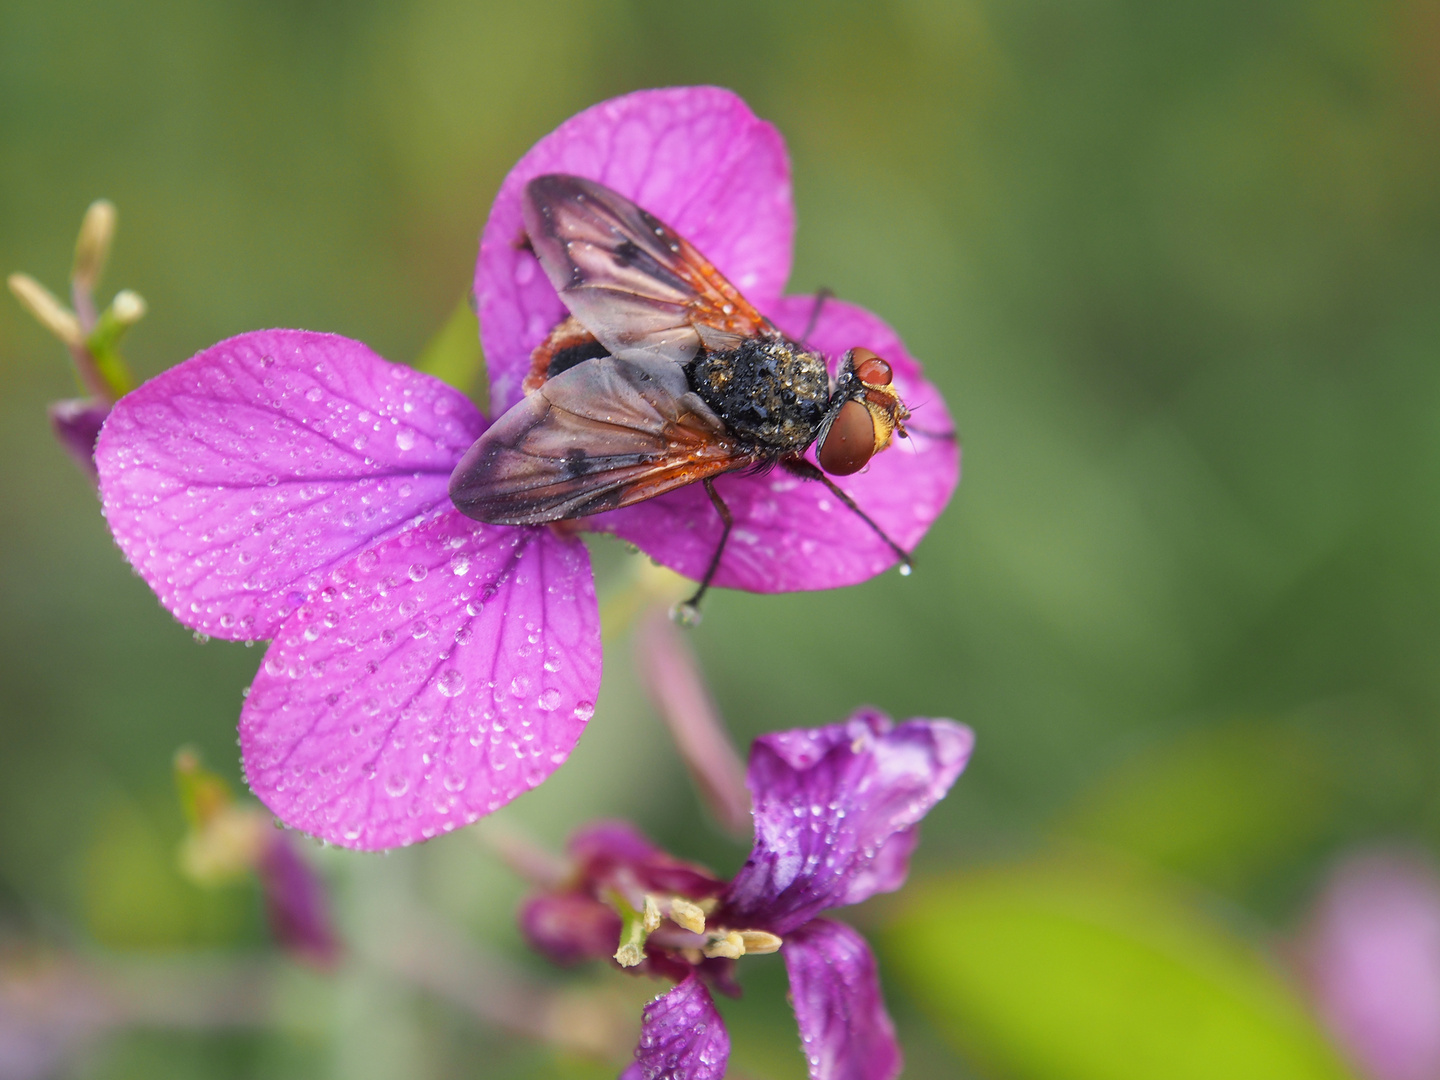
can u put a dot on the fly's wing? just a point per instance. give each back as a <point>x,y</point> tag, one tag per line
<point>637,285</point>
<point>604,434</point>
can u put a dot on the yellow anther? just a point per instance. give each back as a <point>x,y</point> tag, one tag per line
<point>760,942</point>
<point>650,917</point>
<point>731,946</point>
<point>688,915</point>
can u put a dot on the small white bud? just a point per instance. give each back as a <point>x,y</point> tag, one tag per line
<point>92,246</point>
<point>49,312</point>
<point>128,306</point>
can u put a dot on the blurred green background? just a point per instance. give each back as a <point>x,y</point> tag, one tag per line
<point>1176,269</point>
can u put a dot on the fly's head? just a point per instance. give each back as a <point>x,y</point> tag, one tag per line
<point>864,413</point>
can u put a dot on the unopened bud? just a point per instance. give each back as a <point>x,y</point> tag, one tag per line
<point>687,915</point>
<point>49,312</point>
<point>92,246</point>
<point>129,307</point>
<point>226,848</point>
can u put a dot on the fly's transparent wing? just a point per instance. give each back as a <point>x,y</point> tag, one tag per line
<point>637,285</point>
<point>604,434</point>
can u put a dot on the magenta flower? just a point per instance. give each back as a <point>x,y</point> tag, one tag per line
<point>1373,954</point>
<point>699,160</point>
<point>836,817</point>
<point>424,668</point>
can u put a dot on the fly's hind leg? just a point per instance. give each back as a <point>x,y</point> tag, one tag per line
<point>687,613</point>
<point>801,467</point>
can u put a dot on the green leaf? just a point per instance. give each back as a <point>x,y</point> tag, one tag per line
<point>1221,805</point>
<point>1069,971</point>
<point>454,354</point>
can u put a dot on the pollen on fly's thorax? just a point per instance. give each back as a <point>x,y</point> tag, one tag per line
<point>770,392</point>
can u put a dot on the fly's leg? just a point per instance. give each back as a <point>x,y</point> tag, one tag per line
<point>820,297</point>
<point>800,467</point>
<point>687,613</point>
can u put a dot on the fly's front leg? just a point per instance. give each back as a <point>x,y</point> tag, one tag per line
<point>801,467</point>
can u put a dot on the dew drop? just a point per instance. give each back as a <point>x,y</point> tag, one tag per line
<point>584,710</point>
<point>405,439</point>
<point>450,683</point>
<point>549,700</point>
<point>906,569</point>
<point>314,394</point>
<point>396,785</point>
<point>418,572</point>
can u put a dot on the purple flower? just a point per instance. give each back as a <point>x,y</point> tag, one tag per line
<point>424,668</point>
<point>1373,958</point>
<point>699,160</point>
<point>836,817</point>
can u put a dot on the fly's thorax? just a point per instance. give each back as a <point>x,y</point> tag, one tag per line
<point>770,392</point>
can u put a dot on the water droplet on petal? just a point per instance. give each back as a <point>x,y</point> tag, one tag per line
<point>396,785</point>
<point>450,683</point>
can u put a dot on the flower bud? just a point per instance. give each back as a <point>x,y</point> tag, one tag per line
<point>92,246</point>
<point>49,312</point>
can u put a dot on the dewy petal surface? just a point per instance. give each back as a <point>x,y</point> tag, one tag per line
<point>845,1032</point>
<point>235,480</point>
<point>694,156</point>
<point>793,534</point>
<point>429,681</point>
<point>835,813</point>
<point>681,1037</point>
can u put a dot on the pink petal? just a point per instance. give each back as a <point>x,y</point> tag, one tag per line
<point>234,481</point>
<point>835,813</point>
<point>844,1028</point>
<point>682,1037</point>
<point>793,534</point>
<point>694,156</point>
<point>433,679</point>
<point>1375,964</point>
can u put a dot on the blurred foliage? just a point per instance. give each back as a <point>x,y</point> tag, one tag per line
<point>1176,269</point>
<point>454,354</point>
<point>1063,971</point>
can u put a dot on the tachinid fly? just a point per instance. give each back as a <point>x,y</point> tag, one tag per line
<point>662,376</point>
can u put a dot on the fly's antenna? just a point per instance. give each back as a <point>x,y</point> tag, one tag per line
<point>820,297</point>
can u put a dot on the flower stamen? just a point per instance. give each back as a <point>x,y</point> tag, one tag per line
<point>690,916</point>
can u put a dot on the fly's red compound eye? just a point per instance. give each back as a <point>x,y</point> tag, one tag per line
<point>870,369</point>
<point>850,442</point>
